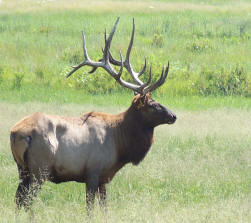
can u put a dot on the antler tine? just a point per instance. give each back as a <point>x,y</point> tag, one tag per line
<point>135,76</point>
<point>86,60</point>
<point>84,48</point>
<point>117,63</point>
<point>154,85</point>
<point>108,42</point>
<point>133,87</point>
<point>75,68</point>
<point>113,61</point>
<point>150,77</point>
<point>143,69</point>
<point>104,38</point>
<point>141,89</point>
<point>131,43</point>
<point>159,82</point>
<point>121,67</point>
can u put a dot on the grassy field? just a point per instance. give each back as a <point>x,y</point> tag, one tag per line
<point>208,44</point>
<point>198,169</point>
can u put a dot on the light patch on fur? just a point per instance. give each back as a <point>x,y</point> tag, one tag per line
<point>18,150</point>
<point>53,141</point>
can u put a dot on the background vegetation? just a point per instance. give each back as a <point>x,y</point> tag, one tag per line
<point>207,43</point>
<point>198,169</point>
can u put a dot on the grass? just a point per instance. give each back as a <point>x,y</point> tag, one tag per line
<point>126,5</point>
<point>198,170</point>
<point>63,96</point>
<point>208,50</point>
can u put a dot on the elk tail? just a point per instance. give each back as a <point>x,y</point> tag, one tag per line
<point>19,147</point>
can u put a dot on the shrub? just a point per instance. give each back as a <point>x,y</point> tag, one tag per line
<point>17,81</point>
<point>1,73</point>
<point>158,40</point>
<point>232,82</point>
<point>199,45</point>
<point>45,29</point>
<point>39,74</point>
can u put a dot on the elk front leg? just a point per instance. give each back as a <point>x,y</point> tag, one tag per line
<point>102,195</point>
<point>91,189</point>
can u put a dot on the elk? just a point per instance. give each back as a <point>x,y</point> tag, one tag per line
<point>93,147</point>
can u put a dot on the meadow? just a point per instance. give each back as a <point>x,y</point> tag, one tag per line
<point>198,170</point>
<point>208,45</point>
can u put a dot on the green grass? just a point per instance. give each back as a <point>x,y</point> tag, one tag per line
<point>61,96</point>
<point>208,49</point>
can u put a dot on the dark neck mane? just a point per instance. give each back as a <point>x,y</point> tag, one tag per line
<point>133,137</point>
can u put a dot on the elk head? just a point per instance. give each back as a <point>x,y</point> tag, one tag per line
<point>151,112</point>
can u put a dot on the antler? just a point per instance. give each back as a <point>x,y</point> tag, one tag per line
<point>108,59</point>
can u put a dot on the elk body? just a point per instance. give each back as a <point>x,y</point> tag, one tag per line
<point>93,147</point>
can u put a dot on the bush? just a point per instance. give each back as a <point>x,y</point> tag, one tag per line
<point>158,40</point>
<point>39,74</point>
<point>17,82</point>
<point>181,81</point>
<point>199,45</point>
<point>233,82</point>
<point>1,73</point>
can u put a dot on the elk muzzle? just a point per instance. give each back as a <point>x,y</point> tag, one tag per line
<point>170,117</point>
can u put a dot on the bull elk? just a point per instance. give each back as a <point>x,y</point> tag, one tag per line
<point>93,147</point>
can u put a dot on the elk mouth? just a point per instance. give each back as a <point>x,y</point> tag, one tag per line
<point>170,122</point>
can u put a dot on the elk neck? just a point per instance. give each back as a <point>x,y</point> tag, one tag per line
<point>133,137</point>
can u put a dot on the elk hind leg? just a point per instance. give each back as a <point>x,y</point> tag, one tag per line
<point>91,189</point>
<point>27,189</point>
<point>21,197</point>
